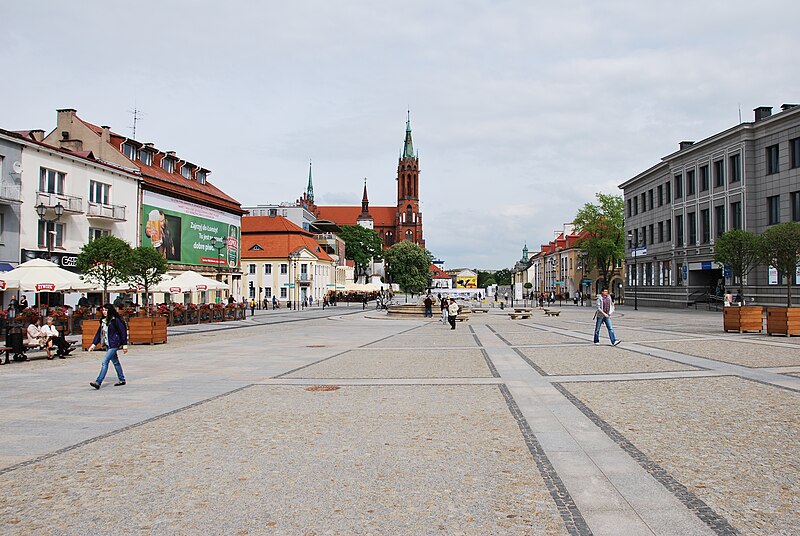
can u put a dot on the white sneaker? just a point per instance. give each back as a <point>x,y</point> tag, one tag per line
<point>616,343</point>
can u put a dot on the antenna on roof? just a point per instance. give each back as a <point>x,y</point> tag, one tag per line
<point>137,116</point>
<point>740,113</point>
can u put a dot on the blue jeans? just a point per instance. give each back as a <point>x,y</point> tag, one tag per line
<point>111,355</point>
<point>428,311</point>
<point>599,322</point>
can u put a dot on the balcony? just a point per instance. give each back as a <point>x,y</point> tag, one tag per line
<point>105,212</point>
<point>71,203</point>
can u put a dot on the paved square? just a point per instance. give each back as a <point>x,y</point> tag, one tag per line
<point>749,354</point>
<point>600,359</point>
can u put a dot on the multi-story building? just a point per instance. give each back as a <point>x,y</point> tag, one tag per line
<point>745,177</point>
<point>281,259</point>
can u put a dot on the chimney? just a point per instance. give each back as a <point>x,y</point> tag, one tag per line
<point>105,136</point>
<point>37,134</point>
<point>762,112</point>
<point>684,144</point>
<point>785,107</point>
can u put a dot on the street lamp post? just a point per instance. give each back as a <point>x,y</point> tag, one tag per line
<point>634,248</point>
<point>293,287</point>
<point>219,245</point>
<point>41,210</point>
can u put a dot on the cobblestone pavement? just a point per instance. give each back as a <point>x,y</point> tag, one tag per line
<point>312,423</point>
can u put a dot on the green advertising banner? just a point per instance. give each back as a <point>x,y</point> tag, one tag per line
<point>183,232</point>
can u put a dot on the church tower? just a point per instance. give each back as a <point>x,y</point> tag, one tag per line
<point>364,219</point>
<point>409,218</point>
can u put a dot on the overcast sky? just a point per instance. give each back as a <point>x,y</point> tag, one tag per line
<point>521,110</point>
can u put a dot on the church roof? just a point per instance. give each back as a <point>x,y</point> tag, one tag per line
<point>348,215</point>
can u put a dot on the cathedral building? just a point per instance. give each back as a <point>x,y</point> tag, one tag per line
<point>403,221</point>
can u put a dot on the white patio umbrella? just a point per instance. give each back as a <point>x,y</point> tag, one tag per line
<point>39,275</point>
<point>189,281</point>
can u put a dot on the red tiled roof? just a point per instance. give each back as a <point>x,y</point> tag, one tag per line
<point>271,224</point>
<point>438,273</point>
<point>279,246</point>
<point>348,215</point>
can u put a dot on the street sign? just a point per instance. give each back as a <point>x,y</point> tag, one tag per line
<point>726,271</point>
<point>638,252</point>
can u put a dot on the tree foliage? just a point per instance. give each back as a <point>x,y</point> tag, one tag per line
<point>361,245</point>
<point>740,250</point>
<point>485,279</point>
<point>146,268</point>
<point>104,261</point>
<point>603,229</point>
<point>409,266</point>
<point>780,248</point>
<point>503,277</point>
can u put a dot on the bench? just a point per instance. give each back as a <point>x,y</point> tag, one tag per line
<point>552,312</point>
<point>462,318</point>
<point>522,309</point>
<point>517,316</point>
<point>480,310</point>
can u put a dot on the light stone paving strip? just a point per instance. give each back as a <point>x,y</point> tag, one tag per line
<point>375,460</point>
<point>732,442</point>
<point>387,363</point>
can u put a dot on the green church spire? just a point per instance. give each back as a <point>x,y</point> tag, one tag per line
<point>408,147</point>
<point>310,189</point>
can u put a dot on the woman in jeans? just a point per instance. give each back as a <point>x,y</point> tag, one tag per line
<point>113,334</point>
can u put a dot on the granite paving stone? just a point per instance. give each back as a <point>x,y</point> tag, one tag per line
<point>597,359</point>
<point>749,354</point>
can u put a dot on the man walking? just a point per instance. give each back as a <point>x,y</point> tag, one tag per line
<point>605,308</point>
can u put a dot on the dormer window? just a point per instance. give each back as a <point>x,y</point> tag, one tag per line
<point>146,157</point>
<point>168,164</point>
<point>201,176</point>
<point>129,150</point>
<point>186,171</point>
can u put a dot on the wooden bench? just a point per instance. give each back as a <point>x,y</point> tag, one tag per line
<point>517,316</point>
<point>552,312</point>
<point>480,310</point>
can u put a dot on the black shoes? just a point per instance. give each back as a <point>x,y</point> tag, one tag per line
<point>119,383</point>
<point>95,385</point>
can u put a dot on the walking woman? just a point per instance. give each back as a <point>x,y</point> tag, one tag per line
<point>113,335</point>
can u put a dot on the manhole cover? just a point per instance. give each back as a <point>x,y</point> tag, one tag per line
<point>323,388</point>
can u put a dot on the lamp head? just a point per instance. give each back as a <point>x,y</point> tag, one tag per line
<point>59,209</point>
<point>41,210</point>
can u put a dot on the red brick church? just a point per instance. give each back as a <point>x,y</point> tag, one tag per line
<point>400,222</point>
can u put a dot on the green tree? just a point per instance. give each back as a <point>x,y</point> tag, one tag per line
<point>103,261</point>
<point>361,245</point>
<point>145,269</point>
<point>780,248</point>
<point>485,279</point>
<point>503,277</point>
<point>740,250</point>
<point>603,229</point>
<point>409,266</point>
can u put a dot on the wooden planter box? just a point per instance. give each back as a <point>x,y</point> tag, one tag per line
<point>89,328</point>
<point>147,330</point>
<point>783,320</point>
<point>745,318</point>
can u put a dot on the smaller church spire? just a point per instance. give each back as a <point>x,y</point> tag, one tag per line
<point>310,189</point>
<point>525,252</point>
<point>365,199</point>
<point>408,146</point>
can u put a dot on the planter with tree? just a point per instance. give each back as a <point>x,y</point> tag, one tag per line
<point>780,249</point>
<point>740,250</point>
<point>145,269</point>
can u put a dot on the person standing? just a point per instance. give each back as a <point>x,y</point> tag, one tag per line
<point>113,334</point>
<point>428,302</point>
<point>22,304</point>
<point>728,299</point>
<point>274,303</point>
<point>444,310</point>
<point>452,313</point>
<point>605,308</point>
<point>252,307</point>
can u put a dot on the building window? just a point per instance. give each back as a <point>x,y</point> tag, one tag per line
<point>644,204</point>
<point>719,218</point>
<point>129,150</point>
<point>99,193</point>
<point>52,230</point>
<point>794,145</point>
<point>736,215</point>
<point>678,186</point>
<point>652,233</point>
<point>51,181</point>
<point>251,269</point>
<point>304,269</point>
<point>669,230</point>
<point>679,230</point>
<point>668,192</point>
<point>773,209</point>
<point>644,236</point>
<point>146,157</point>
<point>268,292</point>
<point>94,233</point>
<point>650,199</point>
<point>201,176</point>
<point>691,218</point>
<point>719,173</point>
<point>795,200</point>
<point>690,183</point>
<point>705,225</point>
<point>283,293</point>
<point>267,269</point>
<point>660,232</point>
<point>660,195</point>
<point>704,179</point>
<point>635,205</point>
<point>773,166</point>
<point>735,167</point>
<point>186,171</point>
<point>630,208</point>
<point>168,164</point>
<point>284,268</point>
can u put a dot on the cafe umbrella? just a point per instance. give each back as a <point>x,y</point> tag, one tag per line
<point>39,275</point>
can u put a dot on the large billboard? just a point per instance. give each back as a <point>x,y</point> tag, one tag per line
<point>182,231</point>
